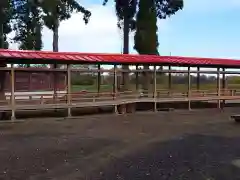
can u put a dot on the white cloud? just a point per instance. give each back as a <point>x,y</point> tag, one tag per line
<point>101,34</point>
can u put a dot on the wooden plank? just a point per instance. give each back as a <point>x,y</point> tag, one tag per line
<point>110,102</point>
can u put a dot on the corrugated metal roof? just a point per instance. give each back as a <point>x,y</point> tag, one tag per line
<point>113,58</point>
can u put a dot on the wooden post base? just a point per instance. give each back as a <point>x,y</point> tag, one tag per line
<point>122,109</point>
<point>126,108</point>
<point>131,108</point>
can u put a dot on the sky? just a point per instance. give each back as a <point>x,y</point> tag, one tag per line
<point>204,28</point>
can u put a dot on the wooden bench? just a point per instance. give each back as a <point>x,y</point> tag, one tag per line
<point>236,118</point>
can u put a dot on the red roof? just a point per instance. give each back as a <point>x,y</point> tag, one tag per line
<point>70,57</point>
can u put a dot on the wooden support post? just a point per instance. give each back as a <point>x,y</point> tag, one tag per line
<point>198,78</point>
<point>30,81</point>
<point>13,116</point>
<point>169,79</point>
<point>189,89</point>
<point>155,88</point>
<point>54,83</point>
<point>99,79</point>
<point>137,78</point>
<point>219,87</point>
<point>223,85</point>
<point>115,88</point>
<point>69,90</point>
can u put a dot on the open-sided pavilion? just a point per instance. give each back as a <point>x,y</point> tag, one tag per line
<point>13,102</point>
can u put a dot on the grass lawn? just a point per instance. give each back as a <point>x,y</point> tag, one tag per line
<point>76,88</point>
<point>180,87</point>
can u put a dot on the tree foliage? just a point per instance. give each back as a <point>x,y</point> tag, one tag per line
<point>166,8</point>
<point>5,20</point>
<point>125,9</point>
<point>146,39</point>
<point>56,11</point>
<point>29,17</point>
<point>28,24</point>
<point>61,10</point>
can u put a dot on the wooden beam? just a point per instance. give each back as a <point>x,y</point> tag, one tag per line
<point>13,115</point>
<point>189,88</point>
<point>219,87</point>
<point>155,88</point>
<point>69,90</point>
<point>224,86</point>
<point>137,77</point>
<point>55,81</point>
<point>99,78</point>
<point>115,85</point>
<point>198,78</point>
<point>110,70</point>
<point>169,79</point>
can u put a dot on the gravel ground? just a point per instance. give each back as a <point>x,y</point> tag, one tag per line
<point>199,145</point>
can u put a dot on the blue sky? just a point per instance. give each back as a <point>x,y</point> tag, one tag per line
<point>208,28</point>
<point>204,28</point>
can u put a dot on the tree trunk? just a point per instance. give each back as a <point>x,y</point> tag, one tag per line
<point>55,35</point>
<point>55,49</point>
<point>125,75</point>
<point>146,40</point>
<point>2,89</point>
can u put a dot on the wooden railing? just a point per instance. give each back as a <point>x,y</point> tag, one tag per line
<point>74,98</point>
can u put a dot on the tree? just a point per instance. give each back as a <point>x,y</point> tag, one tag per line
<point>125,11</point>
<point>56,11</point>
<point>28,24</point>
<point>146,39</point>
<point>5,29</point>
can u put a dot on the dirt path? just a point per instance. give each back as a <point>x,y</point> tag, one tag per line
<point>170,145</point>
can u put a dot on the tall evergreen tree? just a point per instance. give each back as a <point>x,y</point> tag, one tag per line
<point>146,39</point>
<point>28,24</point>
<point>56,11</point>
<point>125,11</point>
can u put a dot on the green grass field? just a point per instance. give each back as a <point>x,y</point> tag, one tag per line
<point>180,87</point>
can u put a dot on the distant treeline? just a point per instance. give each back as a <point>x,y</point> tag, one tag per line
<point>91,79</point>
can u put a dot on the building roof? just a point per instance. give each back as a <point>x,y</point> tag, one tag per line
<point>14,56</point>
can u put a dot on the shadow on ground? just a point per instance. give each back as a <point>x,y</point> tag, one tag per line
<point>37,154</point>
<point>195,157</point>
